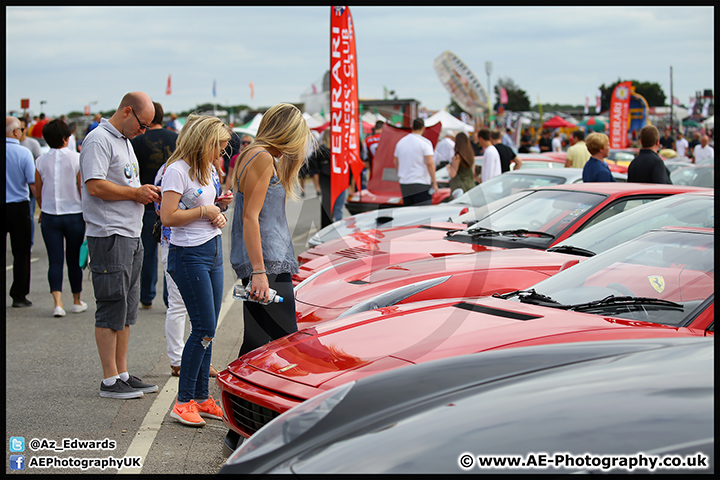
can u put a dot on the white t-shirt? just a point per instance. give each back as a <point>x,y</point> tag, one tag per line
<point>411,151</point>
<point>681,146</point>
<point>198,231</point>
<point>58,170</point>
<point>491,163</point>
<point>444,151</point>
<point>701,153</point>
<point>557,144</point>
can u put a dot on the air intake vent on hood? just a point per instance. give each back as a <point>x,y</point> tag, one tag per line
<point>494,311</point>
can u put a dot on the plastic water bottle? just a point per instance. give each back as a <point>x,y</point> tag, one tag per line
<point>189,200</point>
<point>243,294</point>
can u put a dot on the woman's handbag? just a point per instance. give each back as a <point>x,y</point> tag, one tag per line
<point>84,254</point>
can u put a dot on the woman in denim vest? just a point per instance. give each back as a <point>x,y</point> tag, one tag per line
<point>262,251</point>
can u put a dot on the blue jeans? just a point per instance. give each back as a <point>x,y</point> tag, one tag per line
<point>198,273</point>
<point>56,230</point>
<point>149,275</point>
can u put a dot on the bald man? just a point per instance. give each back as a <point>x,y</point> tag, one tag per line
<point>112,200</point>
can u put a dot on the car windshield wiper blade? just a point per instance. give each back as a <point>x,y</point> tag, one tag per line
<point>477,231</point>
<point>572,250</point>
<point>531,296</point>
<point>522,231</point>
<point>632,302</point>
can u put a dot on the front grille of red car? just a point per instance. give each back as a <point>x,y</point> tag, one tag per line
<point>248,416</point>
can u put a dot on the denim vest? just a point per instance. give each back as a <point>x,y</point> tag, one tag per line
<point>277,246</point>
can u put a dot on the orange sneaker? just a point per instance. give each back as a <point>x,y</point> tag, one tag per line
<point>210,409</point>
<point>187,413</point>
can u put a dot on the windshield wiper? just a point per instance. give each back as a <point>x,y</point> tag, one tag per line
<point>634,303</point>
<point>531,296</point>
<point>572,250</point>
<point>522,231</point>
<point>477,231</point>
<point>488,232</point>
<point>610,302</point>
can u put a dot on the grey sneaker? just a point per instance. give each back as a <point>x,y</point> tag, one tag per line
<point>138,384</point>
<point>120,390</point>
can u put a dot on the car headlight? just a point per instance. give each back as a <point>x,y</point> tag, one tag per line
<point>290,425</point>
<point>394,296</point>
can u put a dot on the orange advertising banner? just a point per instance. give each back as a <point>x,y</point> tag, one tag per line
<point>344,106</point>
<point>620,115</point>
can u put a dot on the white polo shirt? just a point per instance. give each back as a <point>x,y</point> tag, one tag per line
<point>701,153</point>
<point>411,151</point>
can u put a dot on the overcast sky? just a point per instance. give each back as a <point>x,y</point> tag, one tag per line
<point>72,56</point>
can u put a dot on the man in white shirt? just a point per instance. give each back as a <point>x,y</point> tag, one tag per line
<point>444,151</point>
<point>557,143</point>
<point>703,151</point>
<point>491,166</point>
<point>415,166</point>
<point>681,145</point>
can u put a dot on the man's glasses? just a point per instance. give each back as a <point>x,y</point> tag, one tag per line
<point>245,142</point>
<point>142,126</point>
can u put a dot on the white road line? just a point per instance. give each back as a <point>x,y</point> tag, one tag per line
<point>151,424</point>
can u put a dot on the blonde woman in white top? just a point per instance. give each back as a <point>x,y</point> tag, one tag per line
<point>57,183</point>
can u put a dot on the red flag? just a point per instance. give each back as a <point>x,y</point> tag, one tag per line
<point>252,91</point>
<point>619,115</point>
<point>168,89</point>
<point>503,96</point>
<point>344,111</point>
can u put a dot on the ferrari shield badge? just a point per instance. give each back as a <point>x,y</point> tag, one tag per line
<point>657,282</point>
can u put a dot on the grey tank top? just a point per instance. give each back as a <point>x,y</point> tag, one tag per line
<point>277,246</point>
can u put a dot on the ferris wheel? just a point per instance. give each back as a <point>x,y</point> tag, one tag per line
<point>463,85</point>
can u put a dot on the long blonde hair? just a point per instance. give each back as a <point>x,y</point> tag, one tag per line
<point>199,145</point>
<point>284,128</point>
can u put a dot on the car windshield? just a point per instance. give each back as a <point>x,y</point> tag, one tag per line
<point>504,185</point>
<point>546,211</point>
<point>703,176</point>
<point>475,214</point>
<point>621,156</point>
<point>661,277</point>
<point>675,210</point>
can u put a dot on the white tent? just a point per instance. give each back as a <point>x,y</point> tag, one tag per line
<point>450,124</point>
<point>312,121</point>
<point>251,127</point>
<point>371,118</point>
<point>709,122</point>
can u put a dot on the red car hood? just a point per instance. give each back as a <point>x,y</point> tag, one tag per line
<point>334,353</point>
<point>403,243</point>
<point>471,275</point>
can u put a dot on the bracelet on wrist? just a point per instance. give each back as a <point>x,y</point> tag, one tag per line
<point>258,272</point>
<point>202,211</point>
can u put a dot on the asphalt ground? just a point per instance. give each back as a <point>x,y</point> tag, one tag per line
<point>53,377</point>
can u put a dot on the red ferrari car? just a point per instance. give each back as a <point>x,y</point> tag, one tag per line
<point>355,286</point>
<point>539,220</point>
<point>660,284</point>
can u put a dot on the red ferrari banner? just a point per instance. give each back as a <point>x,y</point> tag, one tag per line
<point>168,89</point>
<point>619,115</point>
<point>344,107</point>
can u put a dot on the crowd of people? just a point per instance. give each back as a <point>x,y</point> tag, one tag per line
<point>136,187</point>
<point>135,184</point>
